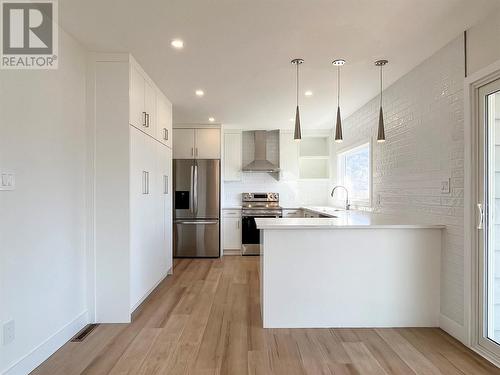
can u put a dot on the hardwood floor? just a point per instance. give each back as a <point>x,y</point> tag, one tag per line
<point>205,319</point>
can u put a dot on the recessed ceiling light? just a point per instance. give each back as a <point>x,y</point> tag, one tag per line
<point>177,43</point>
<point>308,93</point>
<point>199,92</point>
<point>211,119</point>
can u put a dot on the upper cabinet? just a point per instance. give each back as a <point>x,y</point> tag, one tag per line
<point>142,101</point>
<point>164,120</point>
<point>201,143</point>
<point>232,156</point>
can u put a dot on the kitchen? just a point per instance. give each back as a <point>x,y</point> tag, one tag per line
<point>251,188</point>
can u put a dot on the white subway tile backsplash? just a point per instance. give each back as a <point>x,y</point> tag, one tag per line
<point>425,145</point>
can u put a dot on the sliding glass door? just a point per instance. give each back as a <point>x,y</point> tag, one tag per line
<point>488,219</point>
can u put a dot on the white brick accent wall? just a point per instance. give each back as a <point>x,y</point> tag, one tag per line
<point>425,146</point>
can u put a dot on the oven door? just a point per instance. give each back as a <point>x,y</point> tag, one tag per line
<point>250,235</point>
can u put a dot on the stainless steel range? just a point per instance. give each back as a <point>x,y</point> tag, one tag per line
<point>256,205</point>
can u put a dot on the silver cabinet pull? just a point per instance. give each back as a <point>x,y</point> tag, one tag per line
<point>480,218</point>
<point>238,224</point>
<point>145,182</point>
<point>165,134</point>
<point>196,151</point>
<point>165,184</point>
<point>192,151</point>
<point>147,120</point>
<point>144,119</point>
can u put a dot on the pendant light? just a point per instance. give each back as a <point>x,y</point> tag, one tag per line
<point>297,135</point>
<point>381,130</point>
<point>338,127</point>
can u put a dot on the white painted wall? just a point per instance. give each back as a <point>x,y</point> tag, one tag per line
<point>483,40</point>
<point>42,226</point>
<point>425,145</point>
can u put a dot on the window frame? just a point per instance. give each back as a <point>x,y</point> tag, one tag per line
<point>341,154</point>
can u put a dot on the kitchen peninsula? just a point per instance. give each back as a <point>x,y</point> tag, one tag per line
<point>349,269</point>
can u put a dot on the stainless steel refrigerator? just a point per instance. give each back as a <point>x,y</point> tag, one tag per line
<point>196,208</point>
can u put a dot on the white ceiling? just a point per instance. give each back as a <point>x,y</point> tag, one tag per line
<point>239,51</point>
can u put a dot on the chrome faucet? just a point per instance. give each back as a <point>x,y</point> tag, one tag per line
<point>347,205</point>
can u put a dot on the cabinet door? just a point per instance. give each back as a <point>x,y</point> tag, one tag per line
<point>137,111</point>
<point>232,232</point>
<point>164,120</point>
<point>207,144</point>
<point>232,156</point>
<point>150,108</point>
<point>184,144</point>
<point>165,214</point>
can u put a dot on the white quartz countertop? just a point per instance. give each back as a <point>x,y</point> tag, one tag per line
<point>338,218</point>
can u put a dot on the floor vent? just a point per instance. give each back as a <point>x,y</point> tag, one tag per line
<point>82,335</point>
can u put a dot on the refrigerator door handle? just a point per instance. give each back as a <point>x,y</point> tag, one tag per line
<point>191,191</point>
<point>195,189</point>
<point>199,222</point>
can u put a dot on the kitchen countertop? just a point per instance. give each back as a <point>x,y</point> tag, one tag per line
<point>338,218</point>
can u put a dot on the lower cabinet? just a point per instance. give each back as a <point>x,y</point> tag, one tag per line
<point>150,214</point>
<point>231,230</point>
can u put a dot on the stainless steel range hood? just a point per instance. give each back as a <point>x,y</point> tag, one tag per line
<point>264,147</point>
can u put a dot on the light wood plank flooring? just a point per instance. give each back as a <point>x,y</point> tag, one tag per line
<point>205,319</point>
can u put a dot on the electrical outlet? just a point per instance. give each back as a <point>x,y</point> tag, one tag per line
<point>445,186</point>
<point>9,332</point>
<point>7,181</point>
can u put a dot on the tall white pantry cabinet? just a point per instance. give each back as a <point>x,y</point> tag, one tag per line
<point>132,128</point>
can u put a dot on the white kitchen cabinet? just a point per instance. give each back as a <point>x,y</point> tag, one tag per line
<point>207,143</point>
<point>232,156</point>
<point>133,199</point>
<point>164,120</point>
<point>289,156</point>
<point>184,144</point>
<point>142,101</point>
<point>231,230</point>
<point>200,143</point>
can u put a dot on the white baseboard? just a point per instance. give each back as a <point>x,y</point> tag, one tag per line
<point>453,328</point>
<point>48,347</point>
<point>146,295</point>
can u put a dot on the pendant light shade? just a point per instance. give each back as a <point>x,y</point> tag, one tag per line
<point>338,124</point>
<point>297,135</point>
<point>381,127</point>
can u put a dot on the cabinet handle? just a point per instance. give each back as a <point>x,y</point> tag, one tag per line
<point>147,121</point>
<point>165,134</point>
<point>144,119</point>
<point>165,184</point>
<point>145,182</point>
<point>196,151</point>
<point>192,151</point>
<point>480,219</point>
<point>238,224</point>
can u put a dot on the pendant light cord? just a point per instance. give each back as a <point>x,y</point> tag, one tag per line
<point>381,86</point>
<point>338,86</point>
<point>297,84</point>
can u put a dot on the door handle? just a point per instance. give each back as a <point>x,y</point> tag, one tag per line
<point>145,182</point>
<point>205,222</point>
<point>195,189</point>
<point>191,192</point>
<point>480,218</point>
<point>165,184</point>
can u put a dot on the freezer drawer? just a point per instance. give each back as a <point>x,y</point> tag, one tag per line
<point>196,238</point>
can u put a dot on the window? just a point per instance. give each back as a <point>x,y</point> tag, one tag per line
<point>353,171</point>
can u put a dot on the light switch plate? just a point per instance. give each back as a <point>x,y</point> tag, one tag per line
<point>7,181</point>
<point>445,186</point>
<point>9,332</point>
